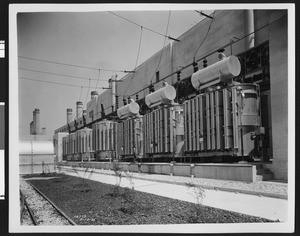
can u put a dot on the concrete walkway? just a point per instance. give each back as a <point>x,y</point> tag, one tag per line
<point>265,207</point>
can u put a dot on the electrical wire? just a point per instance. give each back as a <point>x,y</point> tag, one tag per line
<point>137,58</point>
<point>72,65</point>
<point>206,55</point>
<point>98,80</point>
<point>162,48</point>
<point>87,94</point>
<point>156,32</point>
<point>50,73</point>
<point>50,82</point>
<point>211,22</point>
<point>80,94</point>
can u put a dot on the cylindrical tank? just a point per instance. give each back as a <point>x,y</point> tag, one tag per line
<point>164,95</point>
<point>36,147</point>
<point>128,110</point>
<point>79,108</point>
<point>223,70</point>
<point>69,115</point>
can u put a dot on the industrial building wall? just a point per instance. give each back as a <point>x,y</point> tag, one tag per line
<point>57,143</point>
<point>279,92</point>
<point>183,52</point>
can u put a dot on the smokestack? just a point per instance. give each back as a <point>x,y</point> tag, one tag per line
<point>79,108</point>
<point>69,115</point>
<point>43,131</point>
<point>31,127</point>
<point>94,94</point>
<point>36,121</point>
<point>249,28</point>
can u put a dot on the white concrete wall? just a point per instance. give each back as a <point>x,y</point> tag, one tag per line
<point>279,92</point>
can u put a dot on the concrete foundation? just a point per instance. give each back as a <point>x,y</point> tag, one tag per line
<point>237,172</point>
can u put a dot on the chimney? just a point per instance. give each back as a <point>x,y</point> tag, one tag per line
<point>69,115</point>
<point>79,109</point>
<point>43,131</point>
<point>36,121</point>
<point>31,127</point>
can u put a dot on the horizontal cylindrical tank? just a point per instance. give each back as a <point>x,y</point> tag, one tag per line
<point>128,110</point>
<point>164,95</point>
<point>223,70</point>
<point>36,147</point>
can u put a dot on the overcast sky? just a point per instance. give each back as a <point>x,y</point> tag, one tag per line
<point>92,39</point>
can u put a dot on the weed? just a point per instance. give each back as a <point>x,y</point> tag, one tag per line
<point>199,194</point>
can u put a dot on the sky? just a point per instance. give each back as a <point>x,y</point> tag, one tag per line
<point>97,39</point>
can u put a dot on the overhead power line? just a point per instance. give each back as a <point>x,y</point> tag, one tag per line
<point>137,58</point>
<point>78,66</point>
<point>51,82</point>
<point>154,31</point>
<point>206,55</point>
<point>162,48</point>
<point>203,14</point>
<point>50,73</point>
<point>211,22</point>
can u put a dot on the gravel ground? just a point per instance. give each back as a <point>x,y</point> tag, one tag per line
<point>26,220</point>
<point>274,189</point>
<point>93,203</point>
<point>44,212</point>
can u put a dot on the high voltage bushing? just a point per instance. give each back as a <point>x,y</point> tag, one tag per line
<point>178,75</point>
<point>195,66</point>
<point>204,63</point>
<point>151,88</point>
<point>117,101</point>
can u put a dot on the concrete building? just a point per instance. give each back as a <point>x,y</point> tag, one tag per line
<point>258,38</point>
<point>57,143</point>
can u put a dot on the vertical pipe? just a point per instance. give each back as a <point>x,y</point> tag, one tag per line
<point>249,28</point>
<point>171,61</point>
<point>112,86</point>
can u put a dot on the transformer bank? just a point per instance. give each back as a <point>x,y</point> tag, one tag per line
<point>163,132</point>
<point>104,140</point>
<point>263,58</point>
<point>224,121</point>
<point>130,138</point>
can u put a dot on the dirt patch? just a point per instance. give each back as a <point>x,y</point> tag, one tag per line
<point>93,203</point>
